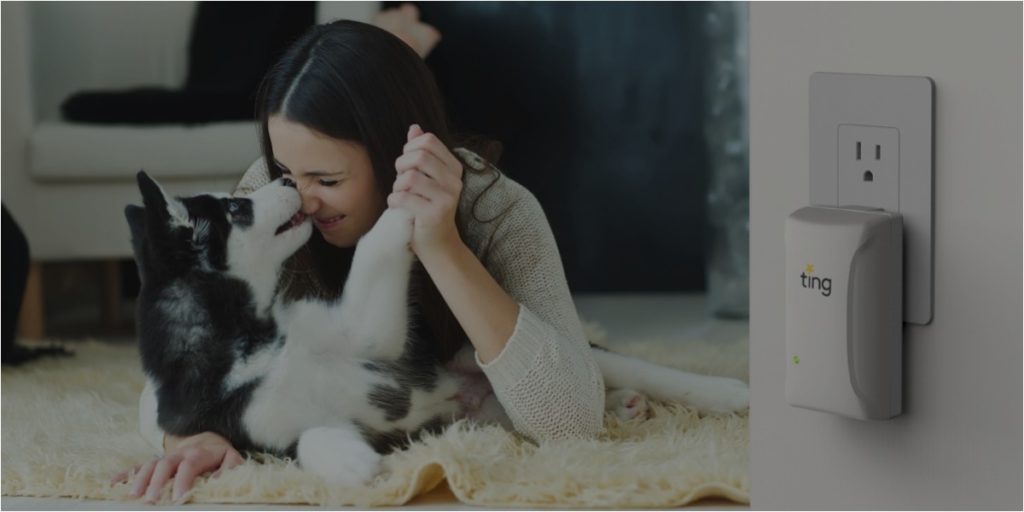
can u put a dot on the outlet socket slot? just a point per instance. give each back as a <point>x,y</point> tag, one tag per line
<point>868,181</point>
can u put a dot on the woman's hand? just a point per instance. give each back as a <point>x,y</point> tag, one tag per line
<point>184,459</point>
<point>405,23</point>
<point>429,184</point>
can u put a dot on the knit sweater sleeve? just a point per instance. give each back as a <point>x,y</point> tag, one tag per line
<point>255,177</point>
<point>545,377</point>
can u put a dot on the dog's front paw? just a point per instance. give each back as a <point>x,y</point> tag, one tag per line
<point>339,455</point>
<point>390,239</point>
<point>721,395</point>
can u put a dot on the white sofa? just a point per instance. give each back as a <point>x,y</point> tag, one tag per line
<point>66,184</point>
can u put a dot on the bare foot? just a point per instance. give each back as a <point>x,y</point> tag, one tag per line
<point>626,404</point>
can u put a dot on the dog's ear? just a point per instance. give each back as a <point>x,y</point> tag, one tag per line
<point>136,216</point>
<point>167,209</point>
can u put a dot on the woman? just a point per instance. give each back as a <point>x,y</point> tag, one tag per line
<point>353,117</point>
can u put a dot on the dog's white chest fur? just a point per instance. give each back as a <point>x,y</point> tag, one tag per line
<point>302,389</point>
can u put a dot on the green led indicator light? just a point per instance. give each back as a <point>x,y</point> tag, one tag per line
<point>796,359</point>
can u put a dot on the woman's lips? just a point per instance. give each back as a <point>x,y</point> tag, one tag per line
<point>329,222</point>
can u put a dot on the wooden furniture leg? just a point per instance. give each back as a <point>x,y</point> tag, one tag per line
<point>30,318</point>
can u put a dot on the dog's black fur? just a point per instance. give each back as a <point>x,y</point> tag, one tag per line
<point>191,372</point>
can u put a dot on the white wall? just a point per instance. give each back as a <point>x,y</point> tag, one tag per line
<point>958,445</point>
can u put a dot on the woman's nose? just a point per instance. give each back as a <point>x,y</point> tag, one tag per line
<point>310,204</point>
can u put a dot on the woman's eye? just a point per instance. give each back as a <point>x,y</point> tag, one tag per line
<point>328,183</point>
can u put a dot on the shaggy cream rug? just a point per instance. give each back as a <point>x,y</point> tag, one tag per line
<point>71,424</point>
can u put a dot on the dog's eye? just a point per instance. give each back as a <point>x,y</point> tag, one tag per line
<point>232,207</point>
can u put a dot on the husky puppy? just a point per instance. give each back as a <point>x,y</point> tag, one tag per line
<point>334,384</point>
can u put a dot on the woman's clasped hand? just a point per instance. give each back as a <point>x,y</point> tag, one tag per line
<point>429,184</point>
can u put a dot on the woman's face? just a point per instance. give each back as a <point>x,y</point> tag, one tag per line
<point>334,177</point>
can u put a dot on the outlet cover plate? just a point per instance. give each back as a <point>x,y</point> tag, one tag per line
<point>902,103</point>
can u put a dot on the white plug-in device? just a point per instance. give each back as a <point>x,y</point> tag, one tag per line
<point>844,311</point>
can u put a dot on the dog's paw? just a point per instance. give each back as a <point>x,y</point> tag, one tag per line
<point>721,395</point>
<point>339,455</point>
<point>390,239</point>
<point>626,404</point>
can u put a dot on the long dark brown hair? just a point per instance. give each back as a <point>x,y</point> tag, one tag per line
<point>357,82</point>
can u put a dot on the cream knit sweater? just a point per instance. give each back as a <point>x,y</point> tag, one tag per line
<point>545,377</point>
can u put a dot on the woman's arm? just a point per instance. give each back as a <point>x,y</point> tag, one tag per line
<point>545,376</point>
<point>429,185</point>
<point>483,309</point>
<point>528,337</point>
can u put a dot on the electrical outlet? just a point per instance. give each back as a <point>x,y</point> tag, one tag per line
<point>890,117</point>
<point>869,166</point>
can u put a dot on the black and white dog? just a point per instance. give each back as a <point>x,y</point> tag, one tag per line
<point>335,384</point>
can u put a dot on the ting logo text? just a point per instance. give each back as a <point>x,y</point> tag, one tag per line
<point>815,282</point>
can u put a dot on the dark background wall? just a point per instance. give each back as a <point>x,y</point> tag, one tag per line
<point>598,106</point>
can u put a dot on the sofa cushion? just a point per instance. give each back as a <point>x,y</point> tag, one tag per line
<point>62,151</point>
